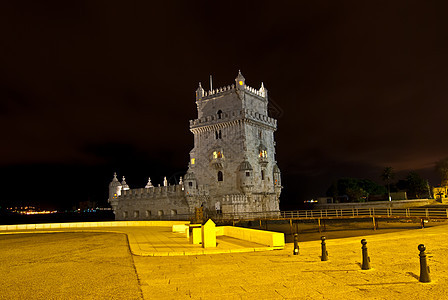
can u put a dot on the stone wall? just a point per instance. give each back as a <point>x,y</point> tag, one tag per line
<point>152,203</point>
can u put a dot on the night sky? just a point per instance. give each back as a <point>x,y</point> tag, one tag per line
<point>92,87</point>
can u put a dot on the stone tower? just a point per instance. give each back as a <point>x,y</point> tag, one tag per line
<point>233,158</point>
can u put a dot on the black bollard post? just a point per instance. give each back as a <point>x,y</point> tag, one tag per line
<point>324,256</point>
<point>365,256</point>
<point>424,268</point>
<point>296,244</point>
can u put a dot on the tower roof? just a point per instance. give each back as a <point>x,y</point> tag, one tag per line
<point>149,184</point>
<point>124,184</point>
<point>114,181</point>
<point>276,169</point>
<point>240,80</point>
<point>245,166</point>
<point>189,176</point>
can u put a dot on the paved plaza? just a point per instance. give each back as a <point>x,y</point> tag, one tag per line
<point>98,264</point>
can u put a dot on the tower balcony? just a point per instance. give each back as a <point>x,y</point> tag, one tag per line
<point>218,163</point>
<point>263,161</point>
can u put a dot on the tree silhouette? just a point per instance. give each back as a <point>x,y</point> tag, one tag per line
<point>442,169</point>
<point>387,176</point>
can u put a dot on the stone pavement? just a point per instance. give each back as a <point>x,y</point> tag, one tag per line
<point>280,275</point>
<point>161,241</point>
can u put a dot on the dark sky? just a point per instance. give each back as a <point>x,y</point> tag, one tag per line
<point>92,87</point>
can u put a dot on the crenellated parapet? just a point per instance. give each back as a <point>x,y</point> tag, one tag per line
<point>153,192</point>
<point>226,118</point>
<point>235,199</point>
<point>205,95</point>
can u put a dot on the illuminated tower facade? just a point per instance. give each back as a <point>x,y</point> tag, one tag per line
<point>232,166</point>
<point>233,160</point>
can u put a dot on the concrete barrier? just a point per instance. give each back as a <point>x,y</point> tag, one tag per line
<point>196,236</point>
<point>209,234</point>
<point>181,228</point>
<point>270,238</point>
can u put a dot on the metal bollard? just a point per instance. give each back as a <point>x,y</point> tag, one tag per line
<point>296,244</point>
<point>365,256</point>
<point>424,268</point>
<point>324,256</point>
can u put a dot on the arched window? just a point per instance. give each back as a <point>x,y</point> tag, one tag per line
<point>219,113</point>
<point>262,174</point>
<point>218,134</point>
<point>220,176</point>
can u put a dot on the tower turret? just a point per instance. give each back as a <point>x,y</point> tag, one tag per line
<point>114,192</point>
<point>246,177</point>
<point>190,183</point>
<point>277,180</point>
<point>240,81</point>
<point>199,92</point>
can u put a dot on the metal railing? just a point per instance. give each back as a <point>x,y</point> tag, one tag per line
<point>338,213</point>
<point>427,213</point>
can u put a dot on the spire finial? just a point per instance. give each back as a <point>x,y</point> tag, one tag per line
<point>263,90</point>
<point>149,184</point>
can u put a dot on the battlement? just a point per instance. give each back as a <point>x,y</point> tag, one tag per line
<point>234,115</point>
<point>153,191</point>
<point>215,92</point>
<point>228,199</point>
<point>226,89</point>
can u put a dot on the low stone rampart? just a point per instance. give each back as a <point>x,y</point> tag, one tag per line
<point>91,224</point>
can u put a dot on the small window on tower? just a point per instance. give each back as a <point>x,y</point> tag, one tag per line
<point>263,153</point>
<point>219,113</point>
<point>190,183</point>
<point>247,174</point>
<point>262,174</point>
<point>193,161</point>
<point>220,176</point>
